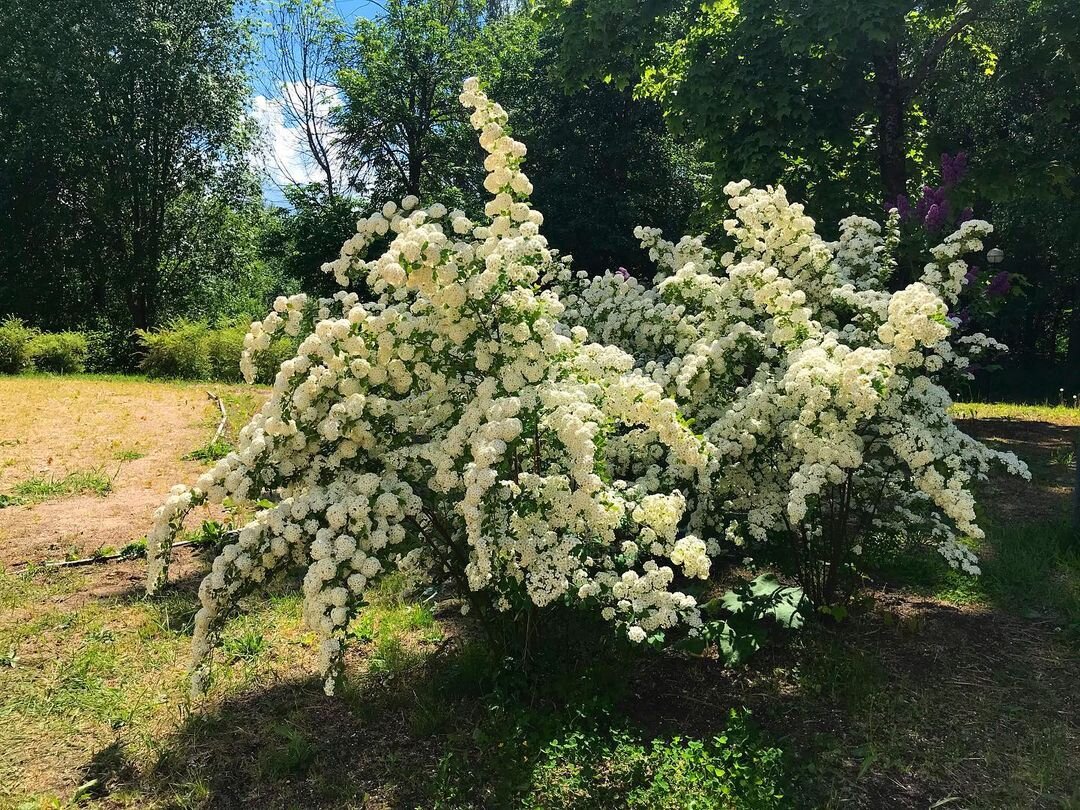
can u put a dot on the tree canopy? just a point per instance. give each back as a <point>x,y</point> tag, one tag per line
<point>110,112</point>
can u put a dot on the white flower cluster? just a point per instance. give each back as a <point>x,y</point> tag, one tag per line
<point>452,428</point>
<point>287,315</point>
<point>820,389</point>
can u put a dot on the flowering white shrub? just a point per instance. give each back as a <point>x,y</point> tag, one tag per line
<point>452,429</point>
<point>461,428</point>
<point>820,389</point>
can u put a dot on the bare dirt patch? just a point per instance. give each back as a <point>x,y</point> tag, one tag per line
<point>135,432</point>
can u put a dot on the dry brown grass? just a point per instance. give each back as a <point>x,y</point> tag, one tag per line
<point>132,431</point>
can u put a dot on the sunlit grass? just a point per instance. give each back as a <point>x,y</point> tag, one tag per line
<point>1056,414</point>
<point>46,488</point>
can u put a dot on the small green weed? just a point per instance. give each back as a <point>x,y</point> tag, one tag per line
<point>40,488</point>
<point>135,549</point>
<point>212,451</point>
<point>245,647</point>
<point>290,753</point>
<point>390,658</point>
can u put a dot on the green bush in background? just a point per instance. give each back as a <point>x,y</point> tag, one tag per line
<point>15,337</point>
<point>109,351</point>
<point>178,350</point>
<point>194,350</point>
<point>59,352</point>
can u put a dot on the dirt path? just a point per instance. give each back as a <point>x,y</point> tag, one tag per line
<point>132,431</point>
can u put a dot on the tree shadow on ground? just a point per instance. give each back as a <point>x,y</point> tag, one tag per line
<point>909,703</point>
<point>1048,449</point>
<point>455,729</point>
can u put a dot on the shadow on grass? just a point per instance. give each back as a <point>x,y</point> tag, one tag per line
<point>1030,557</point>
<point>904,705</point>
<point>1049,451</point>
<point>1030,570</point>
<point>455,729</point>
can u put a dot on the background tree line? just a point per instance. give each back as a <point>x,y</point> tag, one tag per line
<point>130,196</point>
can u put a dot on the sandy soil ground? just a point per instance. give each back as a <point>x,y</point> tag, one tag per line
<point>53,427</point>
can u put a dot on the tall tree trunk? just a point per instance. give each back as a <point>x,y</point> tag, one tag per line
<point>891,128</point>
<point>416,169</point>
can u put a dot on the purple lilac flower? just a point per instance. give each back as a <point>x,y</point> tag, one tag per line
<point>953,168</point>
<point>999,285</point>
<point>622,271</point>
<point>972,274</point>
<point>965,215</point>
<point>932,197</point>
<point>935,217</point>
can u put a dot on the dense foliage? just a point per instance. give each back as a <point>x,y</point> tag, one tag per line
<point>1018,124</point>
<point>119,218</point>
<point>404,132</point>
<point>127,196</point>
<point>111,114</point>
<point>193,350</point>
<point>850,104</point>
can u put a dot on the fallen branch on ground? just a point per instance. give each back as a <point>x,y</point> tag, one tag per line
<point>98,558</point>
<point>224,416</point>
<point>120,555</point>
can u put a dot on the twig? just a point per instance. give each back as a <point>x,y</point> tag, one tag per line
<point>101,558</point>
<point>224,416</point>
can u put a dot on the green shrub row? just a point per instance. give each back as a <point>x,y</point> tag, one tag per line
<point>23,348</point>
<point>194,350</point>
<point>182,349</point>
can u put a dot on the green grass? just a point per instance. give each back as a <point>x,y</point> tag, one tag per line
<point>129,377</point>
<point>211,451</point>
<point>102,686</point>
<point>1030,570</point>
<point>1034,570</point>
<point>985,724</point>
<point>601,766</point>
<point>245,647</point>
<point>105,685</point>
<point>128,455</point>
<point>1057,414</point>
<point>239,404</point>
<point>43,488</point>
